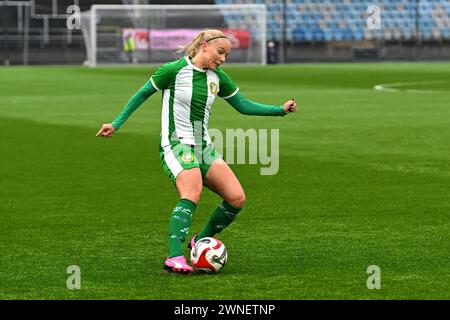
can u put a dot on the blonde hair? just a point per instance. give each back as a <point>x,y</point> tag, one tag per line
<point>193,47</point>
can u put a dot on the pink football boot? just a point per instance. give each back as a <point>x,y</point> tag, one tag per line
<point>178,265</point>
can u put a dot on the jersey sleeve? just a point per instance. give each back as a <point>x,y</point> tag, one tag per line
<point>227,87</point>
<point>249,107</point>
<point>133,103</point>
<point>163,76</point>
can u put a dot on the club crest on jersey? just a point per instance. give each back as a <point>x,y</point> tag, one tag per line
<point>213,87</point>
<point>187,157</point>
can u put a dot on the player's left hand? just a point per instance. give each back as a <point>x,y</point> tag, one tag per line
<point>290,106</point>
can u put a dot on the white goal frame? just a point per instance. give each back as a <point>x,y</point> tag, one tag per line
<point>91,45</point>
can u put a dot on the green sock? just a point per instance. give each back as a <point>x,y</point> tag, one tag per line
<point>179,224</point>
<point>219,220</point>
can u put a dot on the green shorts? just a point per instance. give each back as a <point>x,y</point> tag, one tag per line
<point>178,157</point>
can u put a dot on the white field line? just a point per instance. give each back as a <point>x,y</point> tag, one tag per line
<point>396,86</point>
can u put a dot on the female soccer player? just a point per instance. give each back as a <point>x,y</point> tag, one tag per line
<point>189,86</point>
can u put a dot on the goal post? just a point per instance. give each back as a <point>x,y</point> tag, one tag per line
<point>125,34</point>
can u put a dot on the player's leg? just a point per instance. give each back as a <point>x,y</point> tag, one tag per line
<point>183,169</point>
<point>189,186</point>
<point>221,180</point>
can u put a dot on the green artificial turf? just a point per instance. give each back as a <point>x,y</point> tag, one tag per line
<point>364,180</point>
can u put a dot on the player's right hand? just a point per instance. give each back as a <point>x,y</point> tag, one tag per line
<point>107,130</point>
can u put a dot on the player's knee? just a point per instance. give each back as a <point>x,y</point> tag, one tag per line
<point>193,194</point>
<point>238,200</point>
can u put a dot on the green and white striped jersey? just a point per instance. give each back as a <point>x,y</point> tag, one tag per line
<point>188,94</point>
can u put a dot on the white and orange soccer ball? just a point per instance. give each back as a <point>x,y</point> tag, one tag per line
<point>209,255</point>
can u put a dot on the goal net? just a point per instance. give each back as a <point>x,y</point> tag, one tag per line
<point>124,34</point>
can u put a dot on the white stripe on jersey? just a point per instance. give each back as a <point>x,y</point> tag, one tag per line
<point>165,119</point>
<point>182,105</point>
<point>211,77</point>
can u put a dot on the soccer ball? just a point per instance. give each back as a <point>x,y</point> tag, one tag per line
<point>209,255</point>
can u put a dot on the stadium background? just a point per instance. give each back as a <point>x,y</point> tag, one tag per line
<point>364,164</point>
<point>35,32</point>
